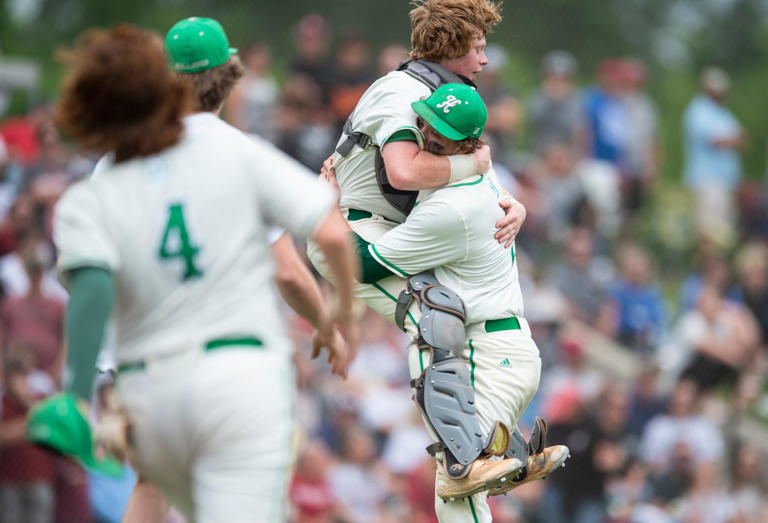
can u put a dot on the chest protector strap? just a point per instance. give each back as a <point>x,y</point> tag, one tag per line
<point>430,74</point>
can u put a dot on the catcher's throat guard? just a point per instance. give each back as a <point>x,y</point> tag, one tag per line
<point>444,391</point>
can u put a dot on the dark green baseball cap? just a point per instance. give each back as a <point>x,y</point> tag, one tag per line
<point>196,44</point>
<point>455,111</point>
<point>57,423</point>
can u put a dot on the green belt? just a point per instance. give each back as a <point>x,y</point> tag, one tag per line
<point>506,324</point>
<point>248,341</point>
<point>357,214</point>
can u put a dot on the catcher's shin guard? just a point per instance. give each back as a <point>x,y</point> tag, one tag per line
<point>444,391</point>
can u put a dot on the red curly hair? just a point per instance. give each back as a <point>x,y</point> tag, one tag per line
<point>120,95</point>
<point>448,28</point>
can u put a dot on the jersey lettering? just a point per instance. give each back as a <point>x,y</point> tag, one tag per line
<point>177,244</point>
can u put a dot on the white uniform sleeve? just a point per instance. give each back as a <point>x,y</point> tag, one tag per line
<point>433,235</point>
<point>290,195</point>
<point>390,109</point>
<point>79,231</point>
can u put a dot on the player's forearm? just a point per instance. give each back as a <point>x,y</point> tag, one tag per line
<point>90,301</point>
<point>296,284</point>
<point>332,239</point>
<point>420,171</point>
<point>410,168</point>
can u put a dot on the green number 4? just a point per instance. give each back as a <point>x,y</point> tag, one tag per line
<point>176,242</point>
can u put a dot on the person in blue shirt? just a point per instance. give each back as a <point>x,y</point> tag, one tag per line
<point>713,141</point>
<point>640,305</point>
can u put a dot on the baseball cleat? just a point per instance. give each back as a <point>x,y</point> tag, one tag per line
<point>484,474</point>
<point>539,466</point>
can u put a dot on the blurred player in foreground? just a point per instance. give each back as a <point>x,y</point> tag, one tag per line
<point>174,236</point>
<point>189,44</point>
<point>449,230</point>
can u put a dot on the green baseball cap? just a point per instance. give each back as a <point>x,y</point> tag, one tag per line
<point>57,423</point>
<point>196,44</point>
<point>454,110</point>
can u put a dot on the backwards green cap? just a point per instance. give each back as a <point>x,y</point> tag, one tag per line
<point>196,44</point>
<point>57,423</point>
<point>454,110</point>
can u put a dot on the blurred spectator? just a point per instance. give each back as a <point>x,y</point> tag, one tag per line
<point>390,57</point>
<point>20,137</point>
<point>52,157</point>
<point>556,109</point>
<point>643,148</point>
<point>421,492</point>
<point>580,279</point>
<point>305,129</point>
<point>670,484</point>
<point>713,271</point>
<point>565,190</point>
<point>573,373</point>
<point>684,423</point>
<point>545,309</point>
<point>251,106</point>
<point>753,211</point>
<point>713,140</point>
<point>356,481</point>
<point>640,306</point>
<point>560,188</point>
<point>752,271</point>
<point>706,500</point>
<point>310,494</point>
<point>312,39</point>
<point>600,447</point>
<point>353,76</point>
<point>404,449</point>
<point>35,319</point>
<point>626,490</point>
<point>748,487</point>
<point>26,471</point>
<point>645,399</point>
<point>721,339</point>
<point>32,248</point>
<point>22,219</point>
<point>383,355</point>
<point>505,113</point>
<point>71,487</point>
<point>608,118</point>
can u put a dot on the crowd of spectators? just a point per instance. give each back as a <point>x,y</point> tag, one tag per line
<point>665,445</point>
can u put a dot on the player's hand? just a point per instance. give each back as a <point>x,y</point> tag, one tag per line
<point>483,159</point>
<point>113,434</point>
<point>347,319</point>
<point>329,337</point>
<point>510,224</point>
<point>328,173</point>
<point>350,330</point>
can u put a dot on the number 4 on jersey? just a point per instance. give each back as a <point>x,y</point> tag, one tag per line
<point>177,244</point>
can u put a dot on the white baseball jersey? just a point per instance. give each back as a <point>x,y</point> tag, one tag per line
<point>384,109</point>
<point>194,124</point>
<point>451,230</point>
<point>184,234</point>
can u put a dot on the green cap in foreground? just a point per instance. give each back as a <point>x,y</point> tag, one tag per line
<point>196,44</point>
<point>455,111</point>
<point>57,423</point>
